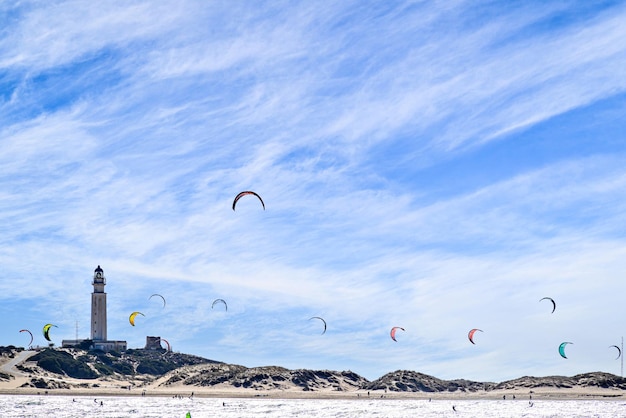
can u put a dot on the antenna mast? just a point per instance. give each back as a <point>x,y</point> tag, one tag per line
<point>622,358</point>
<point>76,330</point>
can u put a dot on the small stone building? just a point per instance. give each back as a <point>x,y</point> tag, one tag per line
<point>153,343</point>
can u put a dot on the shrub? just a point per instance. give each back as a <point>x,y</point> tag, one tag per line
<point>154,367</point>
<point>63,363</point>
<point>123,367</point>
<point>103,369</point>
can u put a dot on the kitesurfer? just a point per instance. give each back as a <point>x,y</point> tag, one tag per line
<point>392,333</point>
<point>470,335</point>
<point>551,300</point>
<point>219,301</point>
<point>240,195</point>
<point>132,316</point>
<point>161,296</point>
<point>321,319</point>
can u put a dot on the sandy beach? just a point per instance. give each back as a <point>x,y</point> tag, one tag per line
<point>559,394</point>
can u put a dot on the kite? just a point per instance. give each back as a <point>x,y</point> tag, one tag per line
<point>31,335</point>
<point>562,348</point>
<point>156,294</point>
<point>219,301</point>
<point>321,319</point>
<point>132,316</point>
<point>619,351</point>
<point>393,332</point>
<point>240,195</point>
<point>470,335</point>
<point>46,331</point>
<point>167,343</point>
<point>551,300</point>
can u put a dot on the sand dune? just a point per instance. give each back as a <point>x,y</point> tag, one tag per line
<point>19,374</point>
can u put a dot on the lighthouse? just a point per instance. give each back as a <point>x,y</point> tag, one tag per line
<point>98,338</point>
<point>98,307</point>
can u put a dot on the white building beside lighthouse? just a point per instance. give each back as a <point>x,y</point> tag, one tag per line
<point>98,338</point>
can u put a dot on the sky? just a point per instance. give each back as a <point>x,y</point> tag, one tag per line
<point>437,166</point>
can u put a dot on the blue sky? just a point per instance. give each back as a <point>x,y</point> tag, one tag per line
<point>438,166</point>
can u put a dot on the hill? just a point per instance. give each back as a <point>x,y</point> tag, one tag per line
<point>160,371</point>
<point>263,378</point>
<point>410,381</point>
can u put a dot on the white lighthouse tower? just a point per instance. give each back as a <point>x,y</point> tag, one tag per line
<point>98,307</point>
<point>98,340</point>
